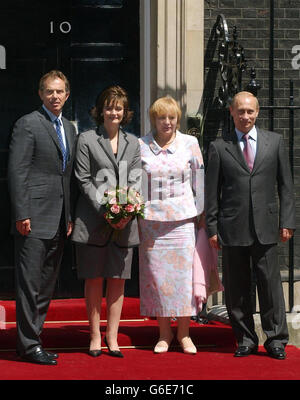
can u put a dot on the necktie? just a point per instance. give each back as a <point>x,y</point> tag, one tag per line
<point>248,152</point>
<point>61,143</point>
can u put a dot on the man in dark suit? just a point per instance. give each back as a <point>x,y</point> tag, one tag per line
<point>39,175</point>
<point>242,216</point>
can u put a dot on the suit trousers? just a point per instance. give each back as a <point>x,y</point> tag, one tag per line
<point>37,266</point>
<point>239,262</point>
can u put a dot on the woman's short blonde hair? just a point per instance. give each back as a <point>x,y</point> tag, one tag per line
<point>164,105</point>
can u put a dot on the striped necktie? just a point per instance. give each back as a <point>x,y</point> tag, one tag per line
<point>61,143</point>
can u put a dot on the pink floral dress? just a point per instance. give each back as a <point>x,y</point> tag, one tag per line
<point>173,190</point>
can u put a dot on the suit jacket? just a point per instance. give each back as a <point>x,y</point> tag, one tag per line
<point>241,205</point>
<point>39,189</point>
<point>97,169</point>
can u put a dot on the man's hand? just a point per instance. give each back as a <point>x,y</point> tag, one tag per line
<point>23,226</point>
<point>213,241</point>
<point>286,234</point>
<point>70,228</point>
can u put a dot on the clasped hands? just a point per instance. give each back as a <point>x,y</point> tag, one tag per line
<point>121,224</point>
<point>24,227</point>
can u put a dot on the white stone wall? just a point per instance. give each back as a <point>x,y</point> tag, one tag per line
<point>176,49</point>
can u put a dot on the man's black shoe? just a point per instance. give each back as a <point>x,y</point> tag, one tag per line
<point>243,351</point>
<point>277,352</point>
<point>51,355</point>
<point>39,356</point>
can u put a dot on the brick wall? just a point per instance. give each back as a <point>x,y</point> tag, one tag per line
<point>252,19</point>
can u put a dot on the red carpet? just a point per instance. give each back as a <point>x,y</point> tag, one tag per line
<point>214,360</point>
<point>74,310</point>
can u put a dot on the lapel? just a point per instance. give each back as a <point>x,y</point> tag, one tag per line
<point>122,145</point>
<point>261,149</point>
<point>232,146</point>
<point>48,124</point>
<point>104,142</point>
<point>69,137</point>
<point>46,121</point>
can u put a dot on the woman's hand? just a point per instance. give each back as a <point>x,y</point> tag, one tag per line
<point>121,224</point>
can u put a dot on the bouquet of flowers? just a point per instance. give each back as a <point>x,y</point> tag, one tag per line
<point>122,204</point>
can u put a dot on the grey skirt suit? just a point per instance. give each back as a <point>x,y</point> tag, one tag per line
<point>100,252</point>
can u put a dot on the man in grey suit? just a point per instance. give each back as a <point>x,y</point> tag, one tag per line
<point>245,169</point>
<point>39,173</point>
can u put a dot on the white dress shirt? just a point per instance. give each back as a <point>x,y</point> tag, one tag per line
<point>252,139</point>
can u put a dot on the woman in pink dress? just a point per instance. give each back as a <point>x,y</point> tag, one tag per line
<point>173,175</point>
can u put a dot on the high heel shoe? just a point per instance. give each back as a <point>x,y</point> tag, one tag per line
<point>95,353</point>
<point>95,341</point>
<point>188,346</point>
<point>113,353</point>
<point>162,346</point>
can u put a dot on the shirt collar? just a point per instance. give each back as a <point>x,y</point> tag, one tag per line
<point>52,116</point>
<point>252,134</point>
<point>156,149</point>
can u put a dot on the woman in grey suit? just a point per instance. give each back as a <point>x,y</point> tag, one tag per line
<point>106,157</point>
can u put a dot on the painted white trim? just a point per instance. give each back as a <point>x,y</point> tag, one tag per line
<point>2,57</point>
<point>145,65</point>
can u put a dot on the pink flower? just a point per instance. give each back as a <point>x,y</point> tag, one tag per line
<point>129,208</point>
<point>137,207</point>
<point>115,209</point>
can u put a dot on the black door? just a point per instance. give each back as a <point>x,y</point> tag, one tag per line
<point>96,44</point>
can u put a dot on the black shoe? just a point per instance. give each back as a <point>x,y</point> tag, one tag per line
<point>243,351</point>
<point>39,356</point>
<point>277,352</point>
<point>54,356</point>
<point>113,353</point>
<point>95,353</point>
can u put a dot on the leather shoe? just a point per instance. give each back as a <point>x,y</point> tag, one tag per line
<point>39,356</point>
<point>187,345</point>
<point>243,351</point>
<point>95,353</point>
<point>277,352</point>
<point>163,344</point>
<point>51,355</point>
<point>113,353</point>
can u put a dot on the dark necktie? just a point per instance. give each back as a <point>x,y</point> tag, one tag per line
<point>61,143</point>
<point>248,152</point>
